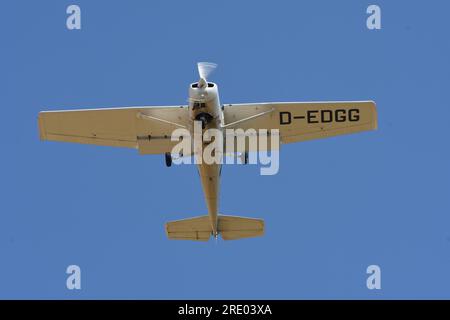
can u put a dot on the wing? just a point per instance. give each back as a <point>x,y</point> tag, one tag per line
<point>145,128</point>
<point>300,121</point>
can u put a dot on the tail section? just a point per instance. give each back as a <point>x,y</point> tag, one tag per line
<point>200,228</point>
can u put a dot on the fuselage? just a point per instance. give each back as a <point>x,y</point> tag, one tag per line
<point>204,106</point>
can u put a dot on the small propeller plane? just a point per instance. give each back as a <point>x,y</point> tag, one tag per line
<point>149,129</point>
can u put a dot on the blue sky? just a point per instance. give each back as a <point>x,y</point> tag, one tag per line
<point>336,206</point>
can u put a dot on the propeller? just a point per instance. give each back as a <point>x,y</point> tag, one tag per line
<point>204,70</point>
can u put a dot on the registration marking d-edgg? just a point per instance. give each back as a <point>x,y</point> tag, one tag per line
<point>321,116</point>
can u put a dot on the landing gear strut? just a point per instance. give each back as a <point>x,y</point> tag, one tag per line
<point>168,157</point>
<point>245,157</point>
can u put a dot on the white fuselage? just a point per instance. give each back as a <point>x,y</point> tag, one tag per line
<point>204,105</point>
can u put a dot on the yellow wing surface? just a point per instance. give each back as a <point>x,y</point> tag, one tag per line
<point>300,121</point>
<point>147,129</point>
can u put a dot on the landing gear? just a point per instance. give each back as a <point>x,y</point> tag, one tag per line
<point>204,122</point>
<point>205,118</point>
<point>168,157</point>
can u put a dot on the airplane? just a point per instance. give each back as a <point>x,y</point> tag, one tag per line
<point>149,129</point>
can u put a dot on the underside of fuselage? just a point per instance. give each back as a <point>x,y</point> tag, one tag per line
<point>204,106</point>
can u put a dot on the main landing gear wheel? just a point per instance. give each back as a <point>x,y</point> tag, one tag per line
<point>168,157</point>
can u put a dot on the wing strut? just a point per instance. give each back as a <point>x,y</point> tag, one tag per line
<point>147,117</point>
<point>248,118</point>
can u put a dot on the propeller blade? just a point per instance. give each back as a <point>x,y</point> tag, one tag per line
<point>205,69</point>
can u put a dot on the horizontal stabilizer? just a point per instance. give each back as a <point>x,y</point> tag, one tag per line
<point>232,228</point>
<point>198,228</point>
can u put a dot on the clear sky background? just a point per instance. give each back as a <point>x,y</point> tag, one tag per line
<point>335,207</point>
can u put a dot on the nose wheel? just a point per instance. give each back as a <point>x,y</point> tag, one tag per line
<point>205,118</point>
<point>204,122</point>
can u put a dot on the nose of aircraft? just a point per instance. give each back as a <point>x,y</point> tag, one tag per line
<point>202,83</point>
